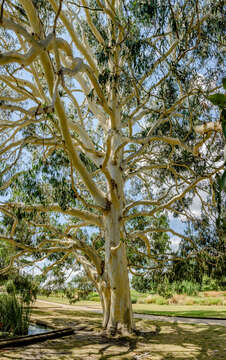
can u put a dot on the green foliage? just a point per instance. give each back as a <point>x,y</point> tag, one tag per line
<point>155,299</point>
<point>93,296</point>
<point>21,290</point>
<point>224,83</point>
<point>164,289</point>
<point>134,299</point>
<point>218,99</point>
<point>80,288</point>
<point>185,287</point>
<point>14,315</point>
<point>23,286</point>
<point>91,167</point>
<point>209,284</point>
<point>223,118</point>
<point>141,284</point>
<point>149,29</point>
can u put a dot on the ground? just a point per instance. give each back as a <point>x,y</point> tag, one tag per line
<point>159,340</point>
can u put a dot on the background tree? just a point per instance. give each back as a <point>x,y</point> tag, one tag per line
<point>99,100</point>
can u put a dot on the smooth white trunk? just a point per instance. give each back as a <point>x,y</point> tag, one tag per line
<point>116,296</point>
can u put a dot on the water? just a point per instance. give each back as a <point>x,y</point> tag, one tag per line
<point>38,329</point>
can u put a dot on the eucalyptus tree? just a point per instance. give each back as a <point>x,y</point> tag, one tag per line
<point>99,100</point>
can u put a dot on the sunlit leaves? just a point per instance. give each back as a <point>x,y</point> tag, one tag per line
<point>224,83</point>
<point>218,99</point>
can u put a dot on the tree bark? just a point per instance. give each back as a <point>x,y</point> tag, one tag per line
<point>118,317</point>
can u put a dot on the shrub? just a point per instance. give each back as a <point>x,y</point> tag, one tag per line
<point>137,294</point>
<point>209,283</point>
<point>190,288</point>
<point>159,300</point>
<point>185,287</point>
<point>14,316</point>
<point>23,286</point>
<point>83,287</point>
<point>215,301</point>
<point>209,301</point>
<point>134,300</point>
<point>141,301</point>
<point>176,299</point>
<point>149,300</point>
<point>164,289</point>
<point>93,296</point>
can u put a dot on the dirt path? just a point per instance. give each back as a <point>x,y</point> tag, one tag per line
<point>172,319</point>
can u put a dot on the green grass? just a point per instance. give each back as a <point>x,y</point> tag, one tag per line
<point>193,314</point>
<point>196,311</point>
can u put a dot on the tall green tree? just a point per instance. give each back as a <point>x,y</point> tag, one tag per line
<point>99,100</point>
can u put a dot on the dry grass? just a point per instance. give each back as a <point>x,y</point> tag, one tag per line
<point>153,299</point>
<point>213,293</point>
<point>204,298</point>
<point>177,299</point>
<point>162,341</point>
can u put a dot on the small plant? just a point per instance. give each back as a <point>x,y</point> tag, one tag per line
<point>164,289</point>
<point>155,299</point>
<point>149,300</point>
<point>93,296</point>
<point>160,300</point>
<point>134,300</point>
<point>177,299</point>
<point>141,301</point>
<point>215,301</point>
<point>209,283</point>
<point>14,315</point>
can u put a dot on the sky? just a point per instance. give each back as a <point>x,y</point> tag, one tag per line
<point>175,223</point>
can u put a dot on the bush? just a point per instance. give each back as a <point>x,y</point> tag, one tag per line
<point>185,287</point>
<point>141,301</point>
<point>14,316</point>
<point>190,288</point>
<point>149,300</point>
<point>165,289</point>
<point>209,284</point>
<point>176,299</point>
<point>155,299</point>
<point>82,286</point>
<point>215,301</point>
<point>137,294</point>
<point>160,300</point>
<point>93,296</point>
<point>134,300</point>
<point>23,286</point>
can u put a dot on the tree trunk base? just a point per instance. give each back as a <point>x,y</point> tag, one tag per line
<point>118,332</point>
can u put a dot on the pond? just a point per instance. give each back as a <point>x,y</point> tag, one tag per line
<point>38,329</point>
<point>32,330</point>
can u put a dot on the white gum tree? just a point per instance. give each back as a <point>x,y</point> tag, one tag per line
<point>98,103</point>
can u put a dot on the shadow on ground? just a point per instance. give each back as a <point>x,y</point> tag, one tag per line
<point>157,341</point>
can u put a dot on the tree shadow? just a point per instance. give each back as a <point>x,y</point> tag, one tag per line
<point>155,340</point>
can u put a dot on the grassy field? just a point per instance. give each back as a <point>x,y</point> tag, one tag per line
<point>159,340</point>
<point>196,311</point>
<point>199,311</point>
